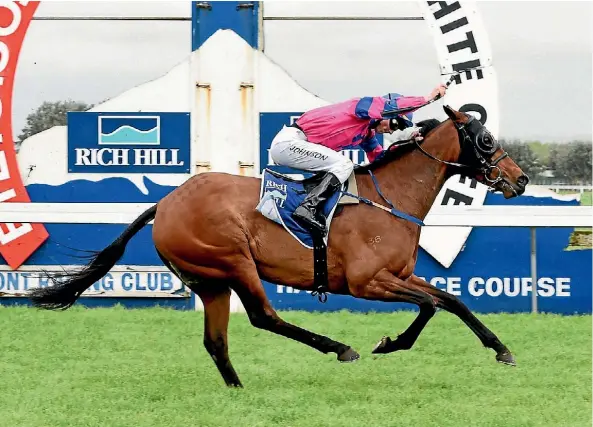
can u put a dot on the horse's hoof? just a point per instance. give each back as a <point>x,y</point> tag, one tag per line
<point>383,346</point>
<point>506,357</point>
<point>349,356</point>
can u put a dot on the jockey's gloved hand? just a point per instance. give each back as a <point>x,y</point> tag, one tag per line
<point>437,92</point>
<point>416,134</point>
<point>412,132</point>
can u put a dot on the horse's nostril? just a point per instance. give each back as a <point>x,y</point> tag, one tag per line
<point>523,180</point>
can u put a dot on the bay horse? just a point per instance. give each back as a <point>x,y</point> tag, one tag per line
<point>208,232</point>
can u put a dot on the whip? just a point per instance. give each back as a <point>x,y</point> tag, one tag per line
<point>392,113</point>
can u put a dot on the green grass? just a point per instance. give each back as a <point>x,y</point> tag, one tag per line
<point>118,367</point>
<point>585,197</point>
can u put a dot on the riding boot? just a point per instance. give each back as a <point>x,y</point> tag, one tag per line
<point>310,210</point>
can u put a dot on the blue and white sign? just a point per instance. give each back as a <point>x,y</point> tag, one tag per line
<point>121,281</point>
<point>271,123</point>
<point>100,142</point>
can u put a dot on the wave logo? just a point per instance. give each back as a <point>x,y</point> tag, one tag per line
<point>129,130</point>
<point>129,142</point>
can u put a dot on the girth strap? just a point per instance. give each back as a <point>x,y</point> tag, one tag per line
<point>319,266</point>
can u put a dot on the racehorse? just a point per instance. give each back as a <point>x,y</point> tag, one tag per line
<point>209,234</point>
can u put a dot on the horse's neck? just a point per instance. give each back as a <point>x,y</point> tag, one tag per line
<point>414,181</point>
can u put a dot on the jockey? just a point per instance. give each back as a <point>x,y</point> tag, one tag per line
<point>312,142</point>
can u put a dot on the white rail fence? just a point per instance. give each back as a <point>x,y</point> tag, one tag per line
<point>450,216</point>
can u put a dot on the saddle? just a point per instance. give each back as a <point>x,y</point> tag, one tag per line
<point>281,194</point>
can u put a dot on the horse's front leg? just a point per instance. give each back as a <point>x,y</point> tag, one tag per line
<point>454,305</point>
<point>387,287</point>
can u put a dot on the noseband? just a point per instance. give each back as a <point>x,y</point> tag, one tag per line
<point>483,147</point>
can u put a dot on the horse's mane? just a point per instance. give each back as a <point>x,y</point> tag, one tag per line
<point>398,149</point>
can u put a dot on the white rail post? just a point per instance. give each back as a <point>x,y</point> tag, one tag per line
<point>533,272</point>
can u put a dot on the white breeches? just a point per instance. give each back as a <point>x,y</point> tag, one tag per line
<point>291,148</point>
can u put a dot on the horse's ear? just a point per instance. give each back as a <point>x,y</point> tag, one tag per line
<point>453,115</point>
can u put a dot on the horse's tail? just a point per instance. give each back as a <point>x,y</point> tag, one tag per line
<point>63,294</point>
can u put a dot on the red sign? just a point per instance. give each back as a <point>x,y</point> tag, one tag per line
<point>17,241</point>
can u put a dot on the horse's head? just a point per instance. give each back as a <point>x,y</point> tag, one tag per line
<point>484,159</point>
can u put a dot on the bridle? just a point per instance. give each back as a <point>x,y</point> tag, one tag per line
<point>483,147</point>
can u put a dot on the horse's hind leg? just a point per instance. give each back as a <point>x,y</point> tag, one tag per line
<point>216,298</point>
<point>261,314</point>
<point>387,287</point>
<point>452,304</point>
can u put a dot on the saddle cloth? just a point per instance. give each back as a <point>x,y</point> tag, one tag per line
<point>280,195</point>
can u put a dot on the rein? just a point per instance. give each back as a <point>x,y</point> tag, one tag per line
<point>480,149</point>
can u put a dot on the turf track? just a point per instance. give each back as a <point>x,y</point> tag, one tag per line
<point>118,367</point>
